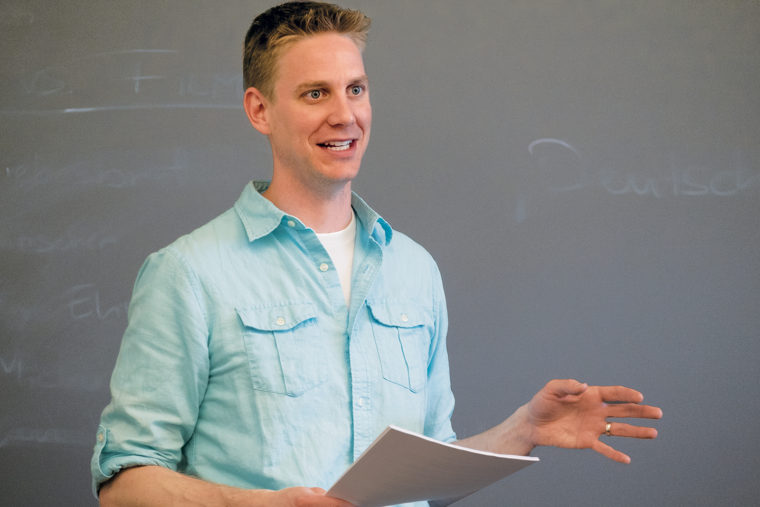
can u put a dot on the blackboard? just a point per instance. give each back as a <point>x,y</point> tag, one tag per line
<point>586,173</point>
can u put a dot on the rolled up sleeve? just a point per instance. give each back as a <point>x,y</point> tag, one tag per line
<point>161,372</point>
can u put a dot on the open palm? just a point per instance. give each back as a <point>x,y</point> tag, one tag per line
<point>570,414</point>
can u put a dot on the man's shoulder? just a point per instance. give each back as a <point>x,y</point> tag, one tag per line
<point>405,251</point>
<point>204,241</point>
<point>226,230</point>
<point>408,273</point>
<point>405,244</point>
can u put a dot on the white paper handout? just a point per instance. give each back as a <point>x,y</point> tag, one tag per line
<point>401,466</point>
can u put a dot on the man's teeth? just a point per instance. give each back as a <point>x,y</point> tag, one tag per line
<point>337,145</point>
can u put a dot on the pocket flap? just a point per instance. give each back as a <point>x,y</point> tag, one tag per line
<point>397,313</point>
<point>276,318</point>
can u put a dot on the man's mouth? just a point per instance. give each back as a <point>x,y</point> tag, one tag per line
<point>337,145</point>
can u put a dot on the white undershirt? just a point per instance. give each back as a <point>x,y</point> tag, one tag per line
<point>340,246</point>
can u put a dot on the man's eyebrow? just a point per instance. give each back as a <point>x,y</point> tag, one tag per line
<point>310,86</point>
<point>313,85</point>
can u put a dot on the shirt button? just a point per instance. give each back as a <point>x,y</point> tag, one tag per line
<point>361,402</point>
<point>280,321</point>
<point>404,317</point>
<point>323,267</point>
<point>291,223</point>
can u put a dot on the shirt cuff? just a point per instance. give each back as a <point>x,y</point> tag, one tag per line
<point>105,465</point>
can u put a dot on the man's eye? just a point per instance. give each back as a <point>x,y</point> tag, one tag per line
<point>357,90</point>
<point>315,94</point>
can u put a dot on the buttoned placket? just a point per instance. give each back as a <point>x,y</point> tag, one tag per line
<point>360,345</point>
<point>360,348</point>
<point>323,265</point>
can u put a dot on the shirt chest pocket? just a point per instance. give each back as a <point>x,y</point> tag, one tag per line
<point>402,341</point>
<point>283,345</point>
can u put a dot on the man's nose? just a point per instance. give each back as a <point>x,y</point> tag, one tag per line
<point>342,112</point>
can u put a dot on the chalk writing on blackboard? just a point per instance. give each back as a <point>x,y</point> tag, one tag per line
<point>568,170</point>
<point>68,241</point>
<point>45,436</point>
<point>27,374</point>
<point>28,371</point>
<point>127,80</point>
<point>84,302</point>
<point>12,367</point>
<point>559,167</point>
<point>105,169</point>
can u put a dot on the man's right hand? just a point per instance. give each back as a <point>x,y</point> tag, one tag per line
<point>154,485</point>
<point>307,497</point>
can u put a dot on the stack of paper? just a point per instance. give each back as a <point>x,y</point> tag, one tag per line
<point>401,466</point>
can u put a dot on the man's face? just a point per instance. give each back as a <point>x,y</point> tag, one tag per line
<point>320,116</point>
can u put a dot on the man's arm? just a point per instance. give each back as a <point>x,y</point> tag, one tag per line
<point>158,486</point>
<point>569,414</point>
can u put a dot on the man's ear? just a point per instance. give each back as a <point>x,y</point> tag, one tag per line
<point>256,108</point>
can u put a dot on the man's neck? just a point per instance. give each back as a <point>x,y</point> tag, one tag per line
<point>323,210</point>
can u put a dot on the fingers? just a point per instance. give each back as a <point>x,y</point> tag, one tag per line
<point>613,394</point>
<point>609,452</point>
<point>633,410</point>
<point>326,501</point>
<point>309,497</point>
<point>566,387</point>
<point>337,502</point>
<point>618,429</point>
<point>625,402</point>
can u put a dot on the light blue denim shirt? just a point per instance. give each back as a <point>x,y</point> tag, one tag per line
<point>241,363</point>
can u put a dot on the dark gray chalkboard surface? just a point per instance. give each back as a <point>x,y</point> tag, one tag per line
<point>586,173</point>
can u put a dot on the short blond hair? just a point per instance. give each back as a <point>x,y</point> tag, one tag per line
<point>284,24</point>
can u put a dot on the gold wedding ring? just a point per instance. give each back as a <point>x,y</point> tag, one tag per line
<point>607,429</point>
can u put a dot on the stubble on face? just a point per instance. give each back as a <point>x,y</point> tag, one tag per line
<point>320,115</point>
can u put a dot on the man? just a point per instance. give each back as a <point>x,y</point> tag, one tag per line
<point>267,349</point>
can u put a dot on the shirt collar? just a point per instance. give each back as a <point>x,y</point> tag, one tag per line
<point>260,217</point>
